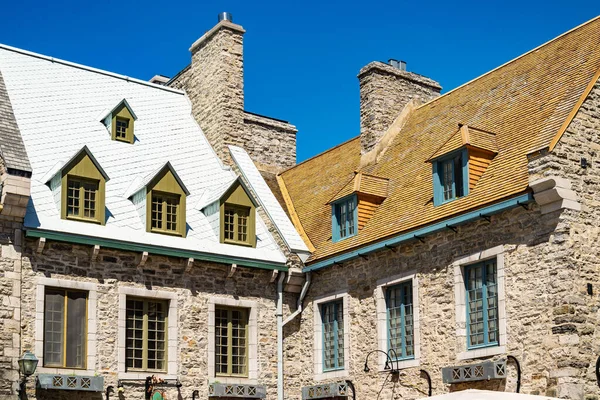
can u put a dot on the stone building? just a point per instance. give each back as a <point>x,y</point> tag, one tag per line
<point>158,240</point>
<point>458,234</point>
<point>134,263</point>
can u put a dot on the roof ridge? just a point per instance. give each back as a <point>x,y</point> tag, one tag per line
<point>513,60</point>
<point>319,155</point>
<point>88,68</point>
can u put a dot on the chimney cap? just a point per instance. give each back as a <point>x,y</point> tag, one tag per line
<point>399,64</point>
<point>225,16</point>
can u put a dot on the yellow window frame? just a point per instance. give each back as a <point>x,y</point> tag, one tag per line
<point>64,328</point>
<point>165,360</point>
<point>245,317</point>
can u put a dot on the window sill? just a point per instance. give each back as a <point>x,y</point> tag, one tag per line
<point>336,373</point>
<point>66,371</point>
<point>481,353</point>
<point>79,219</point>
<point>237,243</point>
<point>143,375</point>
<point>161,232</point>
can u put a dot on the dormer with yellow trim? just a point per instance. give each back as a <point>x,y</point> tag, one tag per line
<point>160,200</point>
<point>78,188</point>
<point>460,162</point>
<point>231,212</point>
<point>120,122</point>
<point>354,205</point>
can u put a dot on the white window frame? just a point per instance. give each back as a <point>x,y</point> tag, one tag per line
<point>382,323</point>
<point>172,334</point>
<point>318,336</point>
<point>252,378</point>
<point>92,290</point>
<point>461,306</point>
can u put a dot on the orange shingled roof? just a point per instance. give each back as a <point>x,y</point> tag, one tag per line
<point>466,135</point>
<point>525,102</point>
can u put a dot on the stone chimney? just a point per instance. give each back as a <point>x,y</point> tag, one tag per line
<point>384,91</point>
<point>214,82</point>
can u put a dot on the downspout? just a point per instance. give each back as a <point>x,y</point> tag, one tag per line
<point>300,299</point>
<point>279,314</point>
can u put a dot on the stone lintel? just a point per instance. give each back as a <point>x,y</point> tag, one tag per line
<point>554,193</point>
<point>224,24</point>
<point>388,69</point>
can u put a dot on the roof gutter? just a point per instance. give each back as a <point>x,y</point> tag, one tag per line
<point>152,249</point>
<point>418,234</point>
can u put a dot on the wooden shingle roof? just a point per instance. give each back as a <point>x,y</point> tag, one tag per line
<point>524,103</point>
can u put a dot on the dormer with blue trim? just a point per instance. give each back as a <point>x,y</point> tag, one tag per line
<point>120,122</point>
<point>460,162</point>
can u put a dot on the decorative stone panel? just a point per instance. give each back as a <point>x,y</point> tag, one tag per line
<point>325,391</point>
<point>70,382</point>
<point>233,390</point>
<point>475,372</point>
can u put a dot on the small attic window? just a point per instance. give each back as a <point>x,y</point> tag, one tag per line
<point>344,218</point>
<point>237,217</point>
<point>450,177</point>
<point>120,122</point>
<point>165,213</point>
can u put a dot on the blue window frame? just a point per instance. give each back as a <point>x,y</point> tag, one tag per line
<point>344,218</point>
<point>482,304</point>
<point>400,319</point>
<point>450,177</point>
<point>332,316</point>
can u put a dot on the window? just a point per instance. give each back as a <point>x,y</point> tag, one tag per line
<point>400,319</point>
<point>332,315</point>
<point>122,124</point>
<point>344,217</point>
<point>65,317</point>
<point>451,176</point>
<point>236,224</point>
<point>146,334</point>
<point>165,212</point>
<point>81,198</point>
<point>231,339</point>
<point>482,304</point>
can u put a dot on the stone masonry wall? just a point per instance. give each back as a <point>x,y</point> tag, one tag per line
<point>576,312</point>
<point>194,288</point>
<point>269,142</point>
<point>384,91</point>
<point>551,320</point>
<point>10,305</point>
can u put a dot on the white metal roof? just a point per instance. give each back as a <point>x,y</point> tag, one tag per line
<point>269,202</point>
<point>56,105</point>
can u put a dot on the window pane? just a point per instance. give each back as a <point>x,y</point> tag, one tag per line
<point>231,341</point>
<point>400,319</point>
<point>332,316</point>
<point>121,126</point>
<point>157,315</point>
<point>458,176</point>
<point>53,327</point>
<point>76,321</point>
<point>343,220</point>
<point>482,303</point>
<point>243,224</point>
<point>89,199</point>
<point>157,212</point>
<point>134,333</point>
<point>229,217</point>
<point>73,197</point>
<point>350,217</point>
<point>171,204</point>
<point>447,179</point>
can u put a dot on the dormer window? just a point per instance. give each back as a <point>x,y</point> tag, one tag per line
<point>165,213</point>
<point>452,177</point>
<point>235,221</point>
<point>120,122</point>
<point>78,188</point>
<point>344,218</point>
<point>460,162</point>
<point>81,198</point>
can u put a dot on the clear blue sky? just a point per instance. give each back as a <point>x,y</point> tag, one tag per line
<point>301,57</point>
